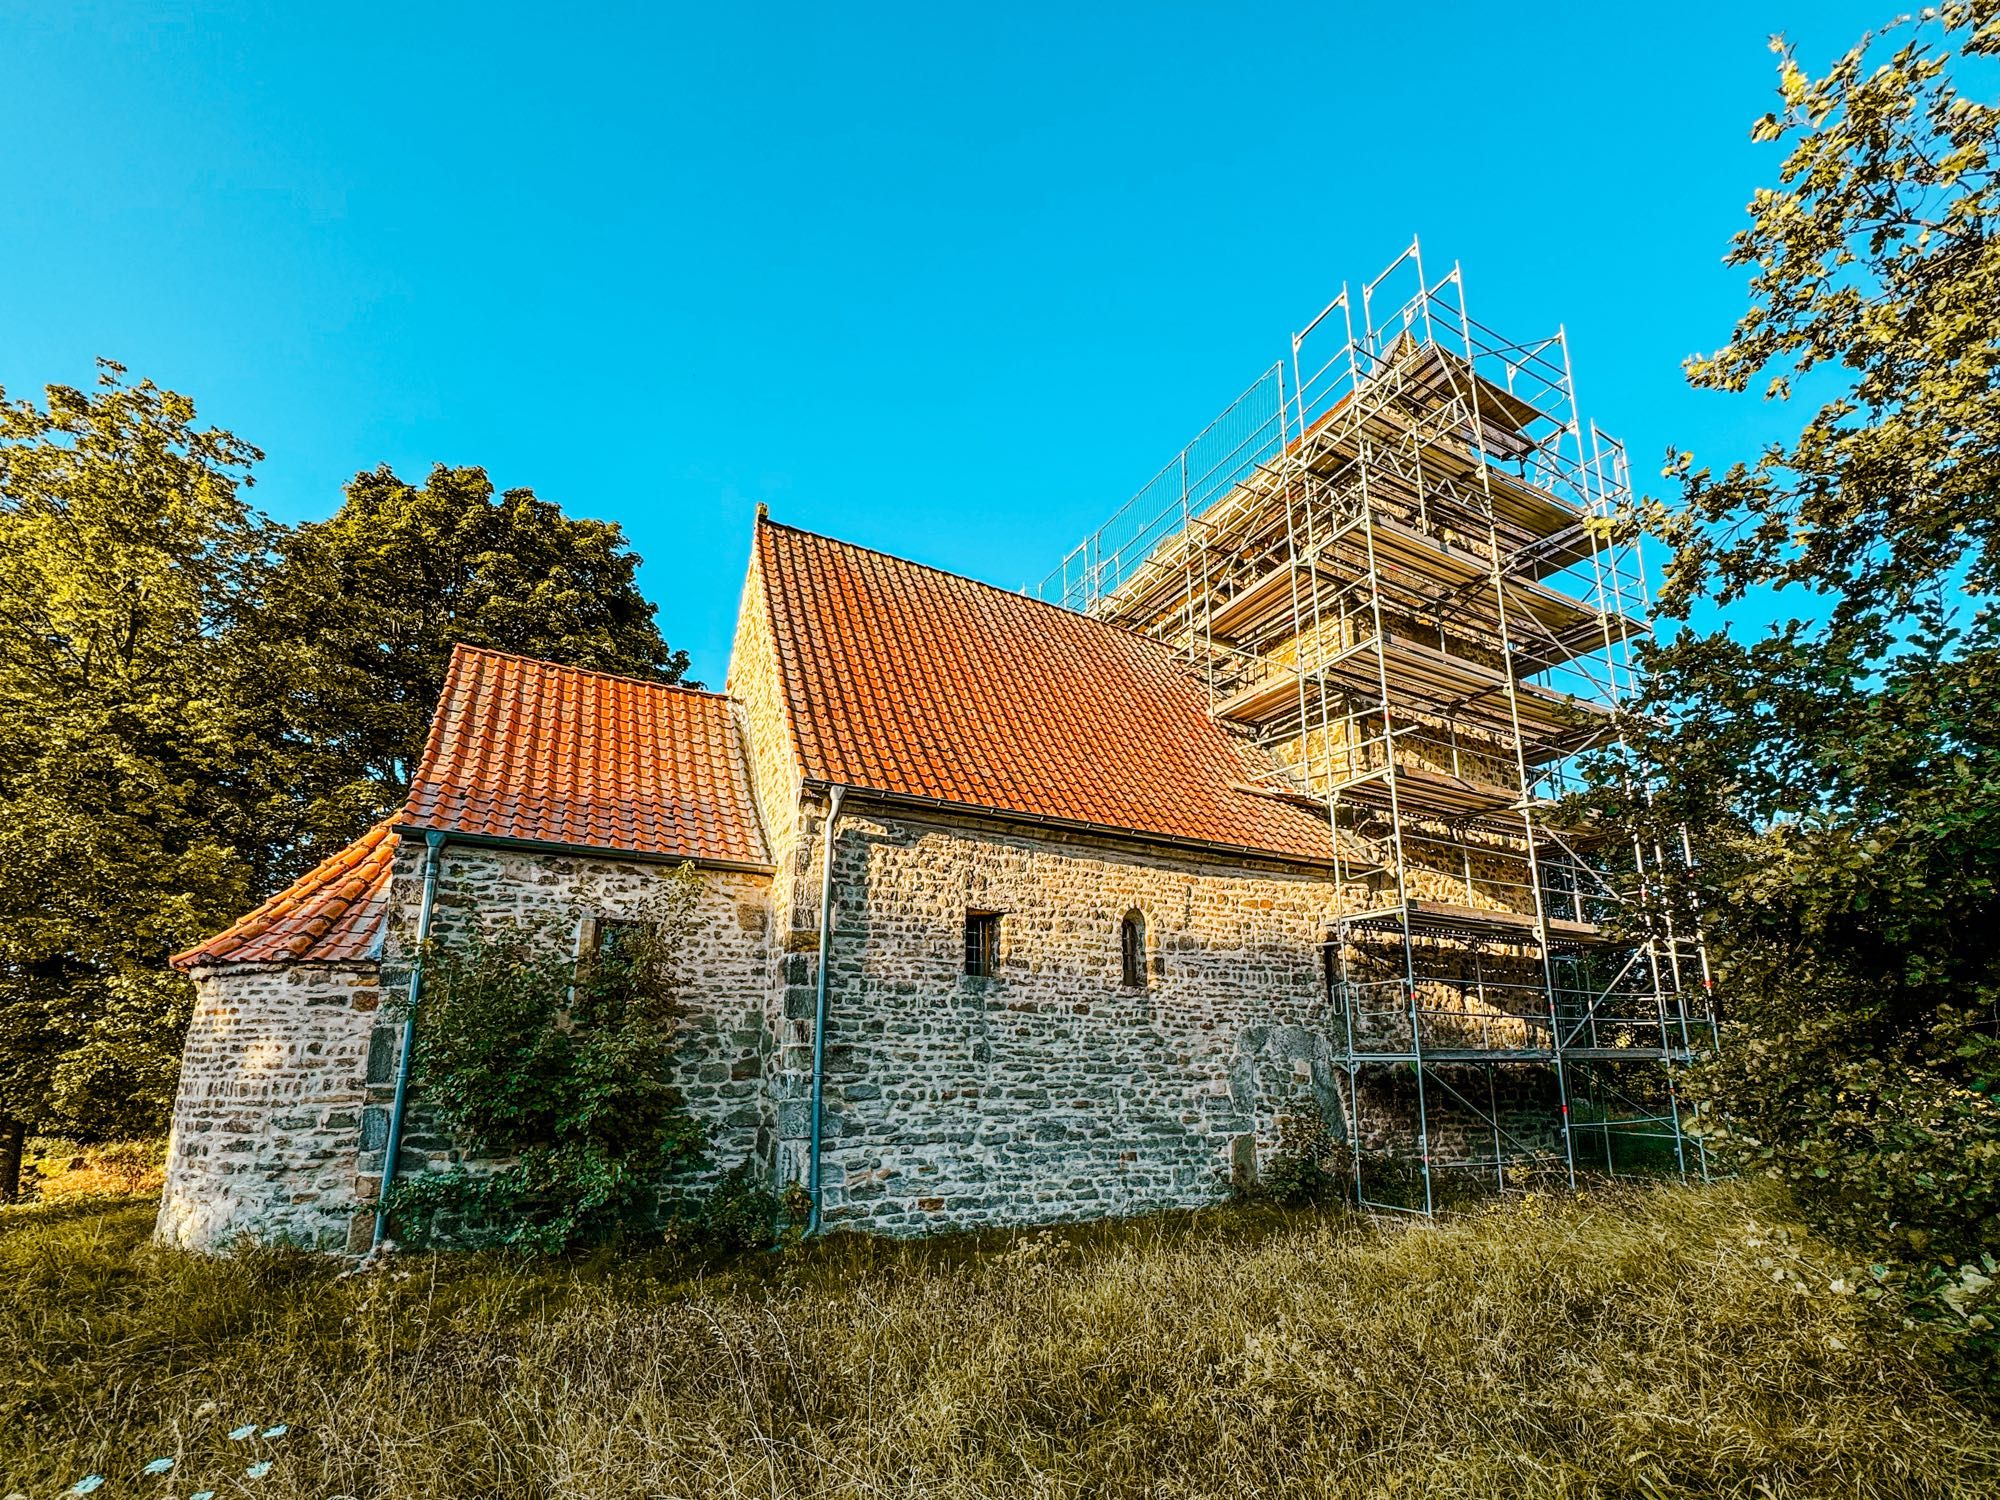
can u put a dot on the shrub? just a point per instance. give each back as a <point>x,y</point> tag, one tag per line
<point>740,1213</point>
<point>1311,1164</point>
<point>554,1073</point>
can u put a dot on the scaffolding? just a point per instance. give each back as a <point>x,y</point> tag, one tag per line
<point>1387,562</point>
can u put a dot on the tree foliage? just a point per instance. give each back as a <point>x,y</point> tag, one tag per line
<point>127,559</point>
<point>361,612</point>
<point>196,703</point>
<point>557,1067</point>
<point>1843,769</point>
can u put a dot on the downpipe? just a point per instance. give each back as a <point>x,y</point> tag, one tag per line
<point>433,843</point>
<point>834,797</point>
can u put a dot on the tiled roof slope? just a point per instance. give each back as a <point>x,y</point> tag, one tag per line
<point>907,680</point>
<point>526,750</point>
<point>332,914</point>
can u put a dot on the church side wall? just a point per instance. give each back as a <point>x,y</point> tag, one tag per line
<point>1050,1091</point>
<point>266,1118</point>
<point>729,969</point>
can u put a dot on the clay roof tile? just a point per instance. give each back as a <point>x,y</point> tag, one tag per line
<point>524,749</point>
<point>332,914</point>
<point>904,679</point>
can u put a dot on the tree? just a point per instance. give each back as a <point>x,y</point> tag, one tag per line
<point>362,610</point>
<point>127,558</point>
<point>1843,769</point>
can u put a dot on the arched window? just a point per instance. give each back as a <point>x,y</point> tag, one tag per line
<point>1132,950</point>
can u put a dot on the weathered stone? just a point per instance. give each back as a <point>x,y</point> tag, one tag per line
<point>1047,1090</point>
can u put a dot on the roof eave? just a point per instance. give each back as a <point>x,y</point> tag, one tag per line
<point>210,963</point>
<point>594,851</point>
<point>1073,825</point>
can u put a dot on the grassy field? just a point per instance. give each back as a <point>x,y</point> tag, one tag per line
<point>1652,1343</point>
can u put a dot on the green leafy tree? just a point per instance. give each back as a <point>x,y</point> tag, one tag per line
<point>1843,769</point>
<point>127,558</point>
<point>362,611</point>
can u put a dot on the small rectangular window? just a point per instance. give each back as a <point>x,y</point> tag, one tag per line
<point>608,937</point>
<point>620,939</point>
<point>982,942</point>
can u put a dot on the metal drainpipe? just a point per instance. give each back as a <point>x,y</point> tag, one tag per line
<point>433,842</point>
<point>834,795</point>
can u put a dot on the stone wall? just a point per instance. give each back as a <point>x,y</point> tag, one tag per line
<point>270,1099</point>
<point>758,697</point>
<point>783,808</point>
<point>1051,1091</point>
<point>1048,1091</point>
<point>729,970</point>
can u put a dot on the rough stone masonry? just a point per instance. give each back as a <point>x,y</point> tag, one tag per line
<point>1051,782</point>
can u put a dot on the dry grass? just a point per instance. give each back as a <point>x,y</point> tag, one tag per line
<point>1669,1342</point>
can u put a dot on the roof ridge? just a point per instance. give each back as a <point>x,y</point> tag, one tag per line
<point>557,666</point>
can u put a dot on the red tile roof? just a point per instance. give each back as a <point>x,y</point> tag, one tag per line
<point>529,751</point>
<point>332,914</point>
<point>904,679</point>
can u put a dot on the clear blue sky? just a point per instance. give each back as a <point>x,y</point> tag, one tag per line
<point>944,281</point>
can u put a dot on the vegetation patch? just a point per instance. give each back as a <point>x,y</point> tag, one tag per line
<point>554,1070</point>
<point>1664,1342</point>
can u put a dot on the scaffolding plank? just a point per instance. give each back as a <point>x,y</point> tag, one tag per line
<point>1465,575</point>
<point>1452,686</point>
<point>1563,930</point>
<point>1481,921</point>
<point>1426,790</point>
<point>1268,598</point>
<point>1424,679</point>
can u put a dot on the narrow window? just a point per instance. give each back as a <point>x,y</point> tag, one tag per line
<point>1329,967</point>
<point>1132,950</point>
<point>615,938</point>
<point>620,939</point>
<point>982,943</point>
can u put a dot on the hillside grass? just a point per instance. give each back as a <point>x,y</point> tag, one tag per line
<point>1662,1342</point>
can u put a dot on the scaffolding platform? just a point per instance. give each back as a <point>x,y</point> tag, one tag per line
<point>1425,790</point>
<point>1426,680</point>
<point>1485,924</point>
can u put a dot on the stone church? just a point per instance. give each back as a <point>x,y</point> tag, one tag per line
<point>1073,950</point>
<point>1020,911</point>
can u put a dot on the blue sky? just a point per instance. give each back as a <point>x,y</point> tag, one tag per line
<point>947,282</point>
